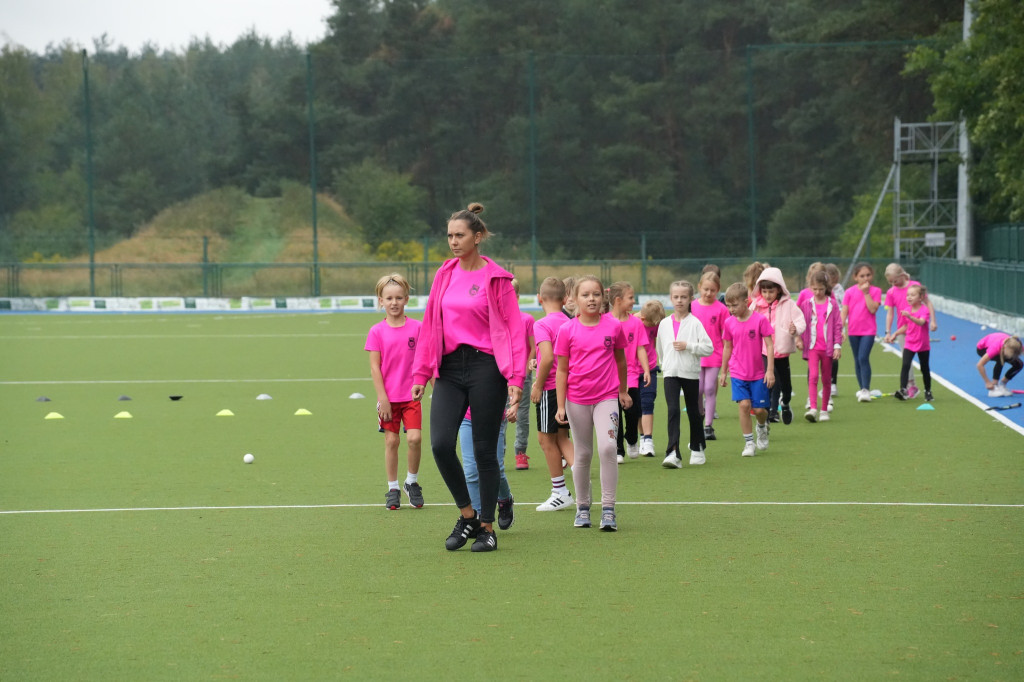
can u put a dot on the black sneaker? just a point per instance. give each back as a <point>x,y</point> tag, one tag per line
<point>773,417</point>
<point>415,493</point>
<point>787,413</point>
<point>486,541</point>
<point>928,396</point>
<point>709,433</point>
<point>463,531</point>
<point>901,394</point>
<point>393,498</point>
<point>505,515</point>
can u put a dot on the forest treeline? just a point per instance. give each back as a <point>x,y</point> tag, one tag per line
<point>586,122</point>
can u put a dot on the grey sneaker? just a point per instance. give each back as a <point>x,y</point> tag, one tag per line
<point>415,493</point>
<point>608,520</point>
<point>582,518</point>
<point>505,516</point>
<point>393,498</point>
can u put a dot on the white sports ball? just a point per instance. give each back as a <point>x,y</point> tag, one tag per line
<point>984,327</point>
<point>248,459</point>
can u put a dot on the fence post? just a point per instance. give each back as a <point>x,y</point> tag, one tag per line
<point>643,262</point>
<point>206,266</point>
<point>312,172</point>
<point>88,174</point>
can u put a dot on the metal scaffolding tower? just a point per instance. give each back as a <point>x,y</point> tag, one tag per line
<point>925,226</point>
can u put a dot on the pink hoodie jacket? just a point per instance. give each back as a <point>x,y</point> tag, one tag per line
<point>782,311</point>
<point>508,336</point>
<point>833,325</point>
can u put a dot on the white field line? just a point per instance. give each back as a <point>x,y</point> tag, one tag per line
<point>996,414</point>
<point>179,381</point>
<point>962,505</point>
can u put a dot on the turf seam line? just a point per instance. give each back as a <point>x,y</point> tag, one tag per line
<point>981,505</point>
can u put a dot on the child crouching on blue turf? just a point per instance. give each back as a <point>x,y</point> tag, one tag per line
<point>1005,350</point>
<point>392,346</point>
<point>743,335</point>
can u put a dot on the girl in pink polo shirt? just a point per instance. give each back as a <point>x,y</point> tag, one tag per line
<point>913,321</point>
<point>392,346</point>
<point>712,313</point>
<point>476,353</point>
<point>860,304</point>
<point>622,299</point>
<point>590,385</point>
<point>1005,350</point>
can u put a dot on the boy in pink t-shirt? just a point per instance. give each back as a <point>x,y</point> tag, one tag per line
<point>743,336</point>
<point>913,321</point>
<point>392,346</point>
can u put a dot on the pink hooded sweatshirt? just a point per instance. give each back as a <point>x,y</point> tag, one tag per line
<point>833,325</point>
<point>782,311</point>
<point>508,335</point>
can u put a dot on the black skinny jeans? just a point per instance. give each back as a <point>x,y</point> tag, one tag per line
<point>691,396</point>
<point>468,378</point>
<point>782,389</point>
<point>629,422</point>
<point>923,360</point>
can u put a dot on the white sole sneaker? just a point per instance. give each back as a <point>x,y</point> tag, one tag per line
<point>824,417</point>
<point>646,447</point>
<point>672,461</point>
<point>811,415</point>
<point>748,450</point>
<point>761,439</point>
<point>697,457</point>
<point>633,451</point>
<point>558,502</point>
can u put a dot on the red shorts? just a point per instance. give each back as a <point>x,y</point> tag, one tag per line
<point>409,414</point>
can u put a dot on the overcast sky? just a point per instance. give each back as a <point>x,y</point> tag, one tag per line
<point>170,24</point>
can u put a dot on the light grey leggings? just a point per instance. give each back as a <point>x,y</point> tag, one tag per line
<point>583,421</point>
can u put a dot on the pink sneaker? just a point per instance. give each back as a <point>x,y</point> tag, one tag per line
<point>522,461</point>
<point>912,391</point>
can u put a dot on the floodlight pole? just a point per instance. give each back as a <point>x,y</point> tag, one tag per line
<point>89,175</point>
<point>312,172</point>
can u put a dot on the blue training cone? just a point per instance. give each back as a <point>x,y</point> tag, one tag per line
<point>926,406</point>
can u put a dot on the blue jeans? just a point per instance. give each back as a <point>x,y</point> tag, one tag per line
<point>469,463</point>
<point>861,346</point>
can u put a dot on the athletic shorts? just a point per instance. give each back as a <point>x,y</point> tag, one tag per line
<point>546,409</point>
<point>756,391</point>
<point>408,414</point>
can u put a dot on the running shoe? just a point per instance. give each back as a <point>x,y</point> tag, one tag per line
<point>582,518</point>
<point>672,461</point>
<point>393,498</point>
<point>633,450</point>
<point>824,416</point>
<point>463,531</point>
<point>647,447</point>
<point>811,415</point>
<point>748,449</point>
<point>415,493</point>
<point>928,396</point>
<point>522,461</point>
<point>608,520</point>
<point>557,501</point>
<point>505,515</point>
<point>761,439</point>
<point>787,413</point>
<point>901,394</point>
<point>697,457</point>
<point>709,433</point>
<point>486,541</point>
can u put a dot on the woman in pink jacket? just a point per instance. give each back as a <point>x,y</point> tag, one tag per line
<point>476,353</point>
<point>821,342</point>
<point>773,301</point>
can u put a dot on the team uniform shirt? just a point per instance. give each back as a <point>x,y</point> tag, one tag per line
<point>745,363</point>
<point>652,349</point>
<point>546,329</point>
<point>636,336</point>
<point>992,345</point>
<point>713,318</point>
<point>465,311</point>
<point>917,334</point>
<point>397,348</point>
<point>821,310</point>
<point>896,300</point>
<point>859,320</point>
<point>593,372</point>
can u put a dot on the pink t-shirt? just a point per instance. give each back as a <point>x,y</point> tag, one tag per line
<point>804,294</point>
<point>397,347</point>
<point>820,311</point>
<point>652,351</point>
<point>745,363</point>
<point>859,320</point>
<point>465,310</point>
<point>896,300</point>
<point>593,372</point>
<point>528,323</point>
<point>636,336</point>
<point>546,329</point>
<point>992,344</point>
<point>713,318</point>
<point>917,334</point>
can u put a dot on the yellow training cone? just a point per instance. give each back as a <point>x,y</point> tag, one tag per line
<point>54,415</point>
<point>301,412</point>
<point>225,413</point>
<point>123,415</point>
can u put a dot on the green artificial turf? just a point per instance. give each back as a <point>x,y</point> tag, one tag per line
<point>857,549</point>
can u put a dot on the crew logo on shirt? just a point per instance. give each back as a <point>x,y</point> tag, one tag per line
<point>412,342</point>
<point>751,333</point>
<point>714,319</point>
<point>474,290</point>
<point>630,337</point>
<point>607,342</point>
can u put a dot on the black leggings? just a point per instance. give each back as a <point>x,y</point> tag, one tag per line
<point>468,378</point>
<point>926,372</point>
<point>1016,365</point>
<point>629,421</point>
<point>783,387</point>
<point>691,395</point>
